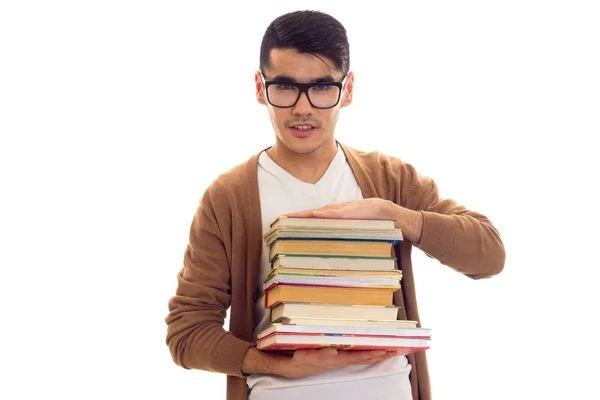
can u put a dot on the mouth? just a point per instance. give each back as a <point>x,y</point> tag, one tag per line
<point>302,130</point>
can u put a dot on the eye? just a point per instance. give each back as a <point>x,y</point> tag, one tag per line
<point>322,88</point>
<point>283,86</point>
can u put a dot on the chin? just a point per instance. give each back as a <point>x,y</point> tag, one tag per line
<point>303,145</point>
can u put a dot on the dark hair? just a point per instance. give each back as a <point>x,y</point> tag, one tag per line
<point>307,32</point>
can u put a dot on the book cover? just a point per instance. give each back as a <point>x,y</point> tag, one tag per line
<point>285,341</point>
<point>330,247</point>
<point>290,309</point>
<point>396,274</point>
<point>332,281</point>
<point>367,323</point>
<point>419,333</point>
<point>326,237</point>
<point>324,261</point>
<point>394,236</point>
<point>284,220</point>
<point>329,295</point>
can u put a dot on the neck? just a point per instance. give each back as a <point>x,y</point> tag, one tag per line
<point>307,167</point>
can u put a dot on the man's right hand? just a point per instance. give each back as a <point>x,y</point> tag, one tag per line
<point>308,362</point>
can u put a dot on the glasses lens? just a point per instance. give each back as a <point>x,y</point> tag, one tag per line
<point>324,96</point>
<point>282,95</point>
<point>321,96</point>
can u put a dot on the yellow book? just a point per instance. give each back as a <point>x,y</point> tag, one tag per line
<point>330,247</point>
<point>329,295</point>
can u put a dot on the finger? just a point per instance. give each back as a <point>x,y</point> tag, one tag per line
<point>360,355</point>
<point>302,214</point>
<point>323,214</point>
<point>333,211</point>
<point>316,213</point>
<point>386,356</point>
<point>317,354</point>
<point>328,352</point>
<point>368,355</point>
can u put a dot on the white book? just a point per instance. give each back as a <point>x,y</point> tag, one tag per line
<point>368,323</point>
<point>333,223</point>
<point>346,330</point>
<point>342,311</point>
<point>335,281</point>
<point>284,341</point>
<point>334,262</point>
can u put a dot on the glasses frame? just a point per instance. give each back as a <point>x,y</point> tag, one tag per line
<point>303,88</point>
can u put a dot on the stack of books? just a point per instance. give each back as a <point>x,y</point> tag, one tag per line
<point>331,284</point>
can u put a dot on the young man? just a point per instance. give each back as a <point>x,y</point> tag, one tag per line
<point>304,81</point>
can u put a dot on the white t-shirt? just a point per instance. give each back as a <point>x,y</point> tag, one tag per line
<point>281,193</point>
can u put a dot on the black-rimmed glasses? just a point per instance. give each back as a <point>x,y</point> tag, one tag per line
<point>285,94</point>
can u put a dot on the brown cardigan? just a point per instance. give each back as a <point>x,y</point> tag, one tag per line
<point>222,261</point>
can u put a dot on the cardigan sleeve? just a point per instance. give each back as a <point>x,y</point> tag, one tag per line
<point>462,239</point>
<point>195,334</point>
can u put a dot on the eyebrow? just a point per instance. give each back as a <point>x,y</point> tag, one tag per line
<point>289,79</point>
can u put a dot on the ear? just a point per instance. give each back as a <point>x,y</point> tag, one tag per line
<point>260,92</point>
<point>348,90</point>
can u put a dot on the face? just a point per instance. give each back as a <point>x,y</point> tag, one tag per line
<point>303,129</point>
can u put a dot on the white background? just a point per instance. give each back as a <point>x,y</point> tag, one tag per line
<point>116,115</point>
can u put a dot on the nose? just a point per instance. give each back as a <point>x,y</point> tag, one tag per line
<point>303,106</point>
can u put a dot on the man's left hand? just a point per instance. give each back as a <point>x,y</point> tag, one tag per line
<point>409,221</point>
<point>357,209</point>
